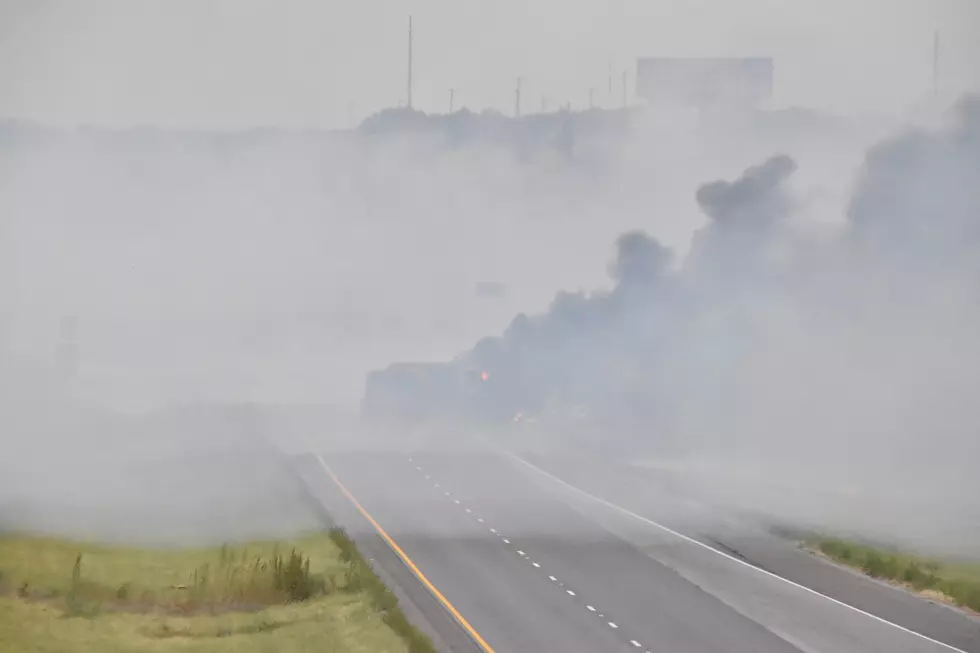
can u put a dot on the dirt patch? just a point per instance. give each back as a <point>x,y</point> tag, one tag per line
<point>936,595</point>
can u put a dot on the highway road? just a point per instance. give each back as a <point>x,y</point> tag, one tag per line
<point>515,554</point>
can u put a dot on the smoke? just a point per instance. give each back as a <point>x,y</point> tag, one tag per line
<point>917,195</point>
<point>838,364</point>
<point>146,270</point>
<point>268,271</point>
<point>751,201</point>
<point>640,260</point>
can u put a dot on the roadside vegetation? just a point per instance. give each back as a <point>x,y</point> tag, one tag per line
<point>956,582</point>
<point>314,593</point>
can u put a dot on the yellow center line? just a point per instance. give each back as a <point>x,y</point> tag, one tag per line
<point>408,561</point>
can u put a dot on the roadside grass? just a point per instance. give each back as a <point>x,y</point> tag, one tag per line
<point>314,593</point>
<point>957,582</point>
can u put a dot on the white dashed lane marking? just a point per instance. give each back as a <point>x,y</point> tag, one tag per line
<point>521,553</point>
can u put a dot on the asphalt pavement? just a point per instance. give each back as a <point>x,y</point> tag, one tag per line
<point>534,555</point>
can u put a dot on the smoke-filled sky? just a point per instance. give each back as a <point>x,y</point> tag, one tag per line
<point>224,64</point>
<point>781,281</point>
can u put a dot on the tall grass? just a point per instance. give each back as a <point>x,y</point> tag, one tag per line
<point>77,601</point>
<point>244,581</point>
<point>360,577</point>
<point>234,583</point>
<point>920,574</point>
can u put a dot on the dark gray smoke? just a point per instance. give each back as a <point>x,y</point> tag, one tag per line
<point>841,361</point>
<point>752,200</point>
<point>917,201</point>
<point>745,216</point>
<point>640,260</point>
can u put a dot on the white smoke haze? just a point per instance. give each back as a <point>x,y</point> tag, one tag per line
<point>810,318</point>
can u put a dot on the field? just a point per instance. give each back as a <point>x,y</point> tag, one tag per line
<point>956,582</point>
<point>314,593</point>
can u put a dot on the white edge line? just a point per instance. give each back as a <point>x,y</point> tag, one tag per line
<point>691,540</point>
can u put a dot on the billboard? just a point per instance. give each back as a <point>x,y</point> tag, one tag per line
<point>705,82</point>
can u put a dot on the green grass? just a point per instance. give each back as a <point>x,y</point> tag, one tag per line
<point>957,581</point>
<point>313,593</point>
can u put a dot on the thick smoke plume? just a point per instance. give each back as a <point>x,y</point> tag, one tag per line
<point>844,362</point>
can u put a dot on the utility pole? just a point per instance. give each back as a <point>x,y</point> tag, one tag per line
<point>609,99</point>
<point>409,62</point>
<point>517,99</point>
<point>935,64</point>
<point>452,95</point>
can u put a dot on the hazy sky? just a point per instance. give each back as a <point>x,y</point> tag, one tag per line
<point>316,63</point>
